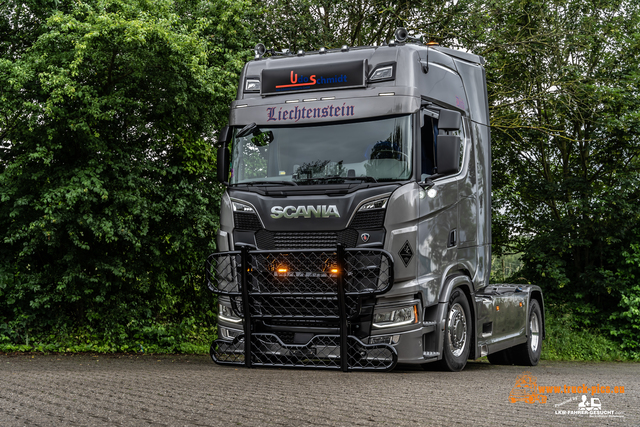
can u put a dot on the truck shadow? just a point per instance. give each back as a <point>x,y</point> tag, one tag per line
<point>433,367</point>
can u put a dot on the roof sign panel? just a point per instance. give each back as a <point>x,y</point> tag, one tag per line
<point>342,75</point>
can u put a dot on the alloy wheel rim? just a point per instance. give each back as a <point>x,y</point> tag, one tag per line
<point>534,326</point>
<point>457,329</point>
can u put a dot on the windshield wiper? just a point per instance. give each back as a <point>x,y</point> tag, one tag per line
<point>266,182</point>
<point>339,178</point>
<point>364,178</point>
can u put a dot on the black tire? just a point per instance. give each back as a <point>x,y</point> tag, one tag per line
<point>528,354</point>
<point>503,357</point>
<point>457,333</point>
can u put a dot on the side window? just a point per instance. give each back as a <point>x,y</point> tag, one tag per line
<point>429,132</point>
<point>428,135</point>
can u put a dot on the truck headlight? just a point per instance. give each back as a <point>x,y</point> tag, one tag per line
<point>375,204</point>
<point>241,207</point>
<point>395,317</point>
<point>226,313</point>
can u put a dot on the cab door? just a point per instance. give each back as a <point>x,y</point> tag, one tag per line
<point>445,188</point>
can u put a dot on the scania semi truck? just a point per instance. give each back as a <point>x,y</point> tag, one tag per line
<point>355,225</point>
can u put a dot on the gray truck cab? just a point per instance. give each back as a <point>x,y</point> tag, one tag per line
<point>355,228</point>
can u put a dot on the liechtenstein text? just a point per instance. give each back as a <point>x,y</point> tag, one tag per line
<point>275,114</point>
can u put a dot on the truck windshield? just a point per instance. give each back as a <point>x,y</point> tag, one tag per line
<point>373,150</point>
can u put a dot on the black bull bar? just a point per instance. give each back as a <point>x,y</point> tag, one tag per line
<point>296,286</point>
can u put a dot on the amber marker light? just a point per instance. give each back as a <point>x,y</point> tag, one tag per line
<point>283,269</point>
<point>415,313</point>
<point>334,270</point>
<point>497,308</point>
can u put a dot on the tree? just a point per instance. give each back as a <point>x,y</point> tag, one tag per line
<point>564,85</point>
<point>108,199</point>
<point>311,24</point>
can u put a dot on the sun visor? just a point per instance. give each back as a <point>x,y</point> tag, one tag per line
<point>323,111</point>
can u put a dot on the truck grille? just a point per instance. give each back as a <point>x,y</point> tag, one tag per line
<point>269,240</point>
<point>246,221</point>
<point>368,220</point>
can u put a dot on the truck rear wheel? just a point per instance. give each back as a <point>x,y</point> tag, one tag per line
<point>528,354</point>
<point>457,333</point>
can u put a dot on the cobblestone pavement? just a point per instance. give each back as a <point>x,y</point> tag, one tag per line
<point>59,390</point>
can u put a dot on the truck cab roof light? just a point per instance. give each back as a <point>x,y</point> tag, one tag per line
<point>310,99</point>
<point>242,105</point>
<point>322,50</point>
<point>344,48</point>
<point>386,94</point>
<point>382,73</point>
<point>401,34</point>
<point>260,49</point>
<point>291,101</point>
<point>252,84</point>
<point>327,98</point>
<point>300,52</point>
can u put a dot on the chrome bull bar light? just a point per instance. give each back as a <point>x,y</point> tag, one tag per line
<point>298,286</point>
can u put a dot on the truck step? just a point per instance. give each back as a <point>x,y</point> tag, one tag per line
<point>429,327</point>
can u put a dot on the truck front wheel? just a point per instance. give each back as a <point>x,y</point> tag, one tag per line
<point>457,333</point>
<point>528,354</point>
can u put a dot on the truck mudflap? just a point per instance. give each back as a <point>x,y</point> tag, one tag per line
<point>301,286</point>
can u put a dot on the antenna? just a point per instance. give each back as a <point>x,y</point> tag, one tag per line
<point>425,67</point>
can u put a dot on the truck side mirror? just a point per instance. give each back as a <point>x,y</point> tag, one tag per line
<point>449,120</point>
<point>223,164</point>
<point>223,154</point>
<point>448,154</point>
<point>225,136</point>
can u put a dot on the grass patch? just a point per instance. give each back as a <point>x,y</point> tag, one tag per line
<point>566,341</point>
<point>187,337</point>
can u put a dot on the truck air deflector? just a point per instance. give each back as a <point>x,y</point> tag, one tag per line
<point>305,285</point>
